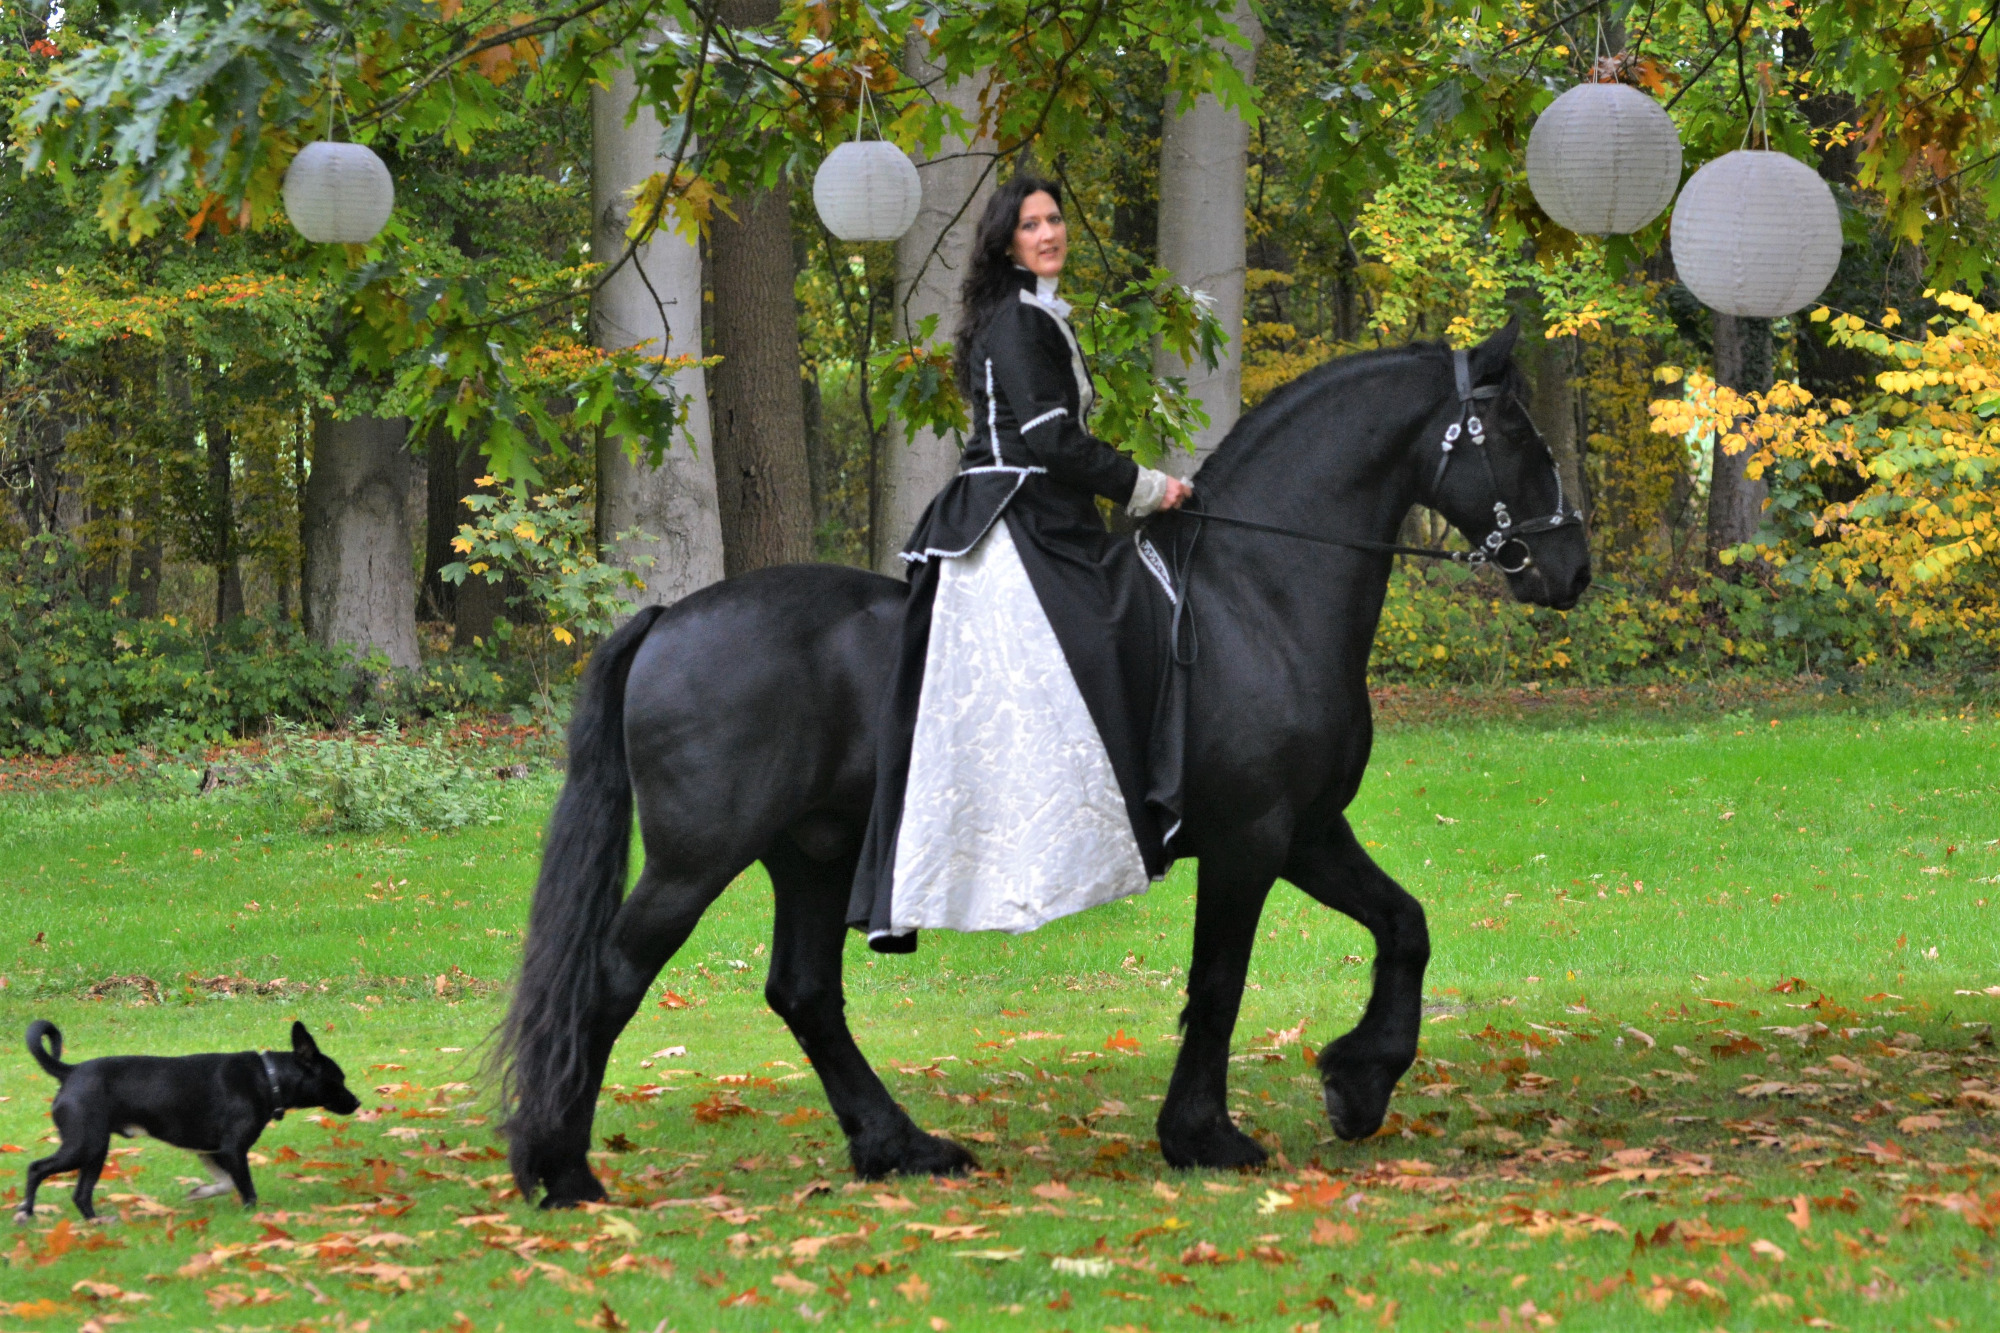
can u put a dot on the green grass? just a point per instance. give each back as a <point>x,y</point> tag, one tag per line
<point>1629,874</point>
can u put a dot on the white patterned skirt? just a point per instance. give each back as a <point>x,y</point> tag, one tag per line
<point>1012,816</point>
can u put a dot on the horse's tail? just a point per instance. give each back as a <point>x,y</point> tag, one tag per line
<point>543,1053</point>
<point>45,1044</point>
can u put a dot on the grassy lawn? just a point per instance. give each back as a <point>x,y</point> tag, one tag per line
<point>1707,1047</point>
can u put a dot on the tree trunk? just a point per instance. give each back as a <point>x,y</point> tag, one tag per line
<point>450,468</point>
<point>930,265</point>
<point>142,576</point>
<point>1204,159</point>
<point>1552,402</point>
<point>671,507</point>
<point>1735,502</point>
<point>360,590</point>
<point>222,542</point>
<point>756,409</point>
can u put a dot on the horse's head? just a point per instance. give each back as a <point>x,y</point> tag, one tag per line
<point>1485,468</point>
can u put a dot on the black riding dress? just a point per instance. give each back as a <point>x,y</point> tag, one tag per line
<point>1029,742</point>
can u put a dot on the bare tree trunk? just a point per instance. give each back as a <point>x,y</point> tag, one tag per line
<point>930,265</point>
<point>1736,502</point>
<point>142,576</point>
<point>654,300</point>
<point>222,542</point>
<point>450,468</point>
<point>756,409</point>
<point>1553,403</point>
<point>1204,158</point>
<point>360,589</point>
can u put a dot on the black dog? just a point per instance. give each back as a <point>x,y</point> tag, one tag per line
<point>213,1105</point>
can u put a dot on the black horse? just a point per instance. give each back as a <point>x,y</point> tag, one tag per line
<point>742,720</point>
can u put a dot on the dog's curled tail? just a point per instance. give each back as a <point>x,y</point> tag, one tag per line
<point>49,1055</point>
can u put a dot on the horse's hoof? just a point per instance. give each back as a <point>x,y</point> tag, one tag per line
<point>911,1153</point>
<point>23,1216</point>
<point>1350,1123</point>
<point>1217,1146</point>
<point>573,1189</point>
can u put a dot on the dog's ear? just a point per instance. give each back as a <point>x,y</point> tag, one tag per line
<point>303,1046</point>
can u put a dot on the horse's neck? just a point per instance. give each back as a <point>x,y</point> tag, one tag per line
<point>1335,464</point>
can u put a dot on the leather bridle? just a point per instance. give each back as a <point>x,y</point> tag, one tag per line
<point>1469,427</point>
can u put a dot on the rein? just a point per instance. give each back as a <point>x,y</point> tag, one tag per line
<point>1505,532</point>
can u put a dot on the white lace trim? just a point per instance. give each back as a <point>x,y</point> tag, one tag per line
<point>1156,565</point>
<point>1053,414</point>
<point>1012,816</point>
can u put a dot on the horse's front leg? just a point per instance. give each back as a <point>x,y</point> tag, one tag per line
<point>1359,1071</point>
<point>1195,1129</point>
<point>804,989</point>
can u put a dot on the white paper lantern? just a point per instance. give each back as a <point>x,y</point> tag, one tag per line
<point>1604,159</point>
<point>1756,234</point>
<point>867,190</point>
<point>338,192</point>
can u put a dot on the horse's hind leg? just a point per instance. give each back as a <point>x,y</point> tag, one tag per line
<point>1194,1125</point>
<point>804,989</point>
<point>1359,1071</point>
<point>650,927</point>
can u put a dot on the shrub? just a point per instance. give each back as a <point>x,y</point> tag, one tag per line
<point>75,676</point>
<point>368,782</point>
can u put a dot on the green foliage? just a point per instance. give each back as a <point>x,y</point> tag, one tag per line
<point>1450,627</point>
<point>74,676</point>
<point>549,543</point>
<point>372,782</point>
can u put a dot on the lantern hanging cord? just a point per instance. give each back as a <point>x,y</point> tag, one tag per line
<point>1759,126</point>
<point>862,108</point>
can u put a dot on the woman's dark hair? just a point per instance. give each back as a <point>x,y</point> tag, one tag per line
<point>989,278</point>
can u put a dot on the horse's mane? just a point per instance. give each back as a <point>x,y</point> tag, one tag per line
<point>1261,421</point>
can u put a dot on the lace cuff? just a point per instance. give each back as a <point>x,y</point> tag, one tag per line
<point>1147,493</point>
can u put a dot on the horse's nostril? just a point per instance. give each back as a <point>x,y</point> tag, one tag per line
<point>1581,582</point>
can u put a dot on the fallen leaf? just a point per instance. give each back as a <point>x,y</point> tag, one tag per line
<point>1326,1231</point>
<point>794,1284</point>
<point>1087,1267</point>
<point>916,1290</point>
<point>944,1232</point>
<point>1800,1214</point>
<point>1768,1249</point>
<point>1053,1190</point>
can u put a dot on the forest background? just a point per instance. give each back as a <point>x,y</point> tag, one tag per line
<point>254,478</point>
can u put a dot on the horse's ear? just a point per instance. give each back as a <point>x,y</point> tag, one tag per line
<point>1489,359</point>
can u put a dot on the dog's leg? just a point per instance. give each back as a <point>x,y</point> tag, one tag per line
<point>65,1158</point>
<point>220,1181</point>
<point>236,1162</point>
<point>87,1171</point>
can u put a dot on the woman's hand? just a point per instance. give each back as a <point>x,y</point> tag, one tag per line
<point>1177,491</point>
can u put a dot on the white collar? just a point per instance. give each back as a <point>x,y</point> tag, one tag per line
<point>1044,295</point>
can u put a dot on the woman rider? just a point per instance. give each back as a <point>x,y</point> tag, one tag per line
<point>1013,780</point>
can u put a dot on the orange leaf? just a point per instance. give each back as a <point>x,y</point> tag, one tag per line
<point>1121,1042</point>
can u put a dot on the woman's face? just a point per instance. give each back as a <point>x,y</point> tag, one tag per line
<point>1041,242</point>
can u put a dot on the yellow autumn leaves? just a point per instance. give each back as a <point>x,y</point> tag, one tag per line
<point>1897,498</point>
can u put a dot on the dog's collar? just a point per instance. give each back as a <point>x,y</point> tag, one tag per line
<point>277,1093</point>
